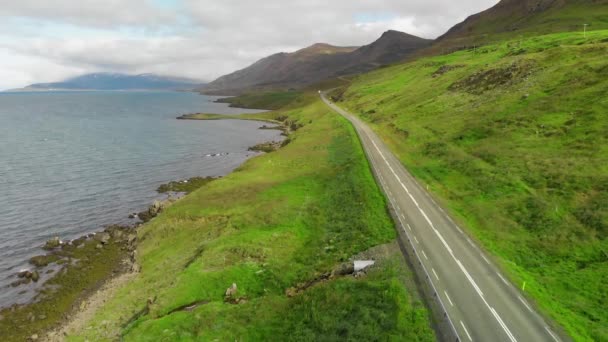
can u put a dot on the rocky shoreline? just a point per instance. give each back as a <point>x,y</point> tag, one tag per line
<point>71,271</point>
<point>74,272</point>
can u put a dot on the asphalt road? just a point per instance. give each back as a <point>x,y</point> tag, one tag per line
<point>481,304</point>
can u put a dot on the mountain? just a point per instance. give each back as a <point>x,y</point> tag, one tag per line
<point>522,18</point>
<point>317,63</point>
<point>113,81</point>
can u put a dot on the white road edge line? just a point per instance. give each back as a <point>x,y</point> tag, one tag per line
<point>503,279</point>
<point>466,331</point>
<point>448,297</point>
<point>552,335</point>
<point>462,268</point>
<point>524,303</point>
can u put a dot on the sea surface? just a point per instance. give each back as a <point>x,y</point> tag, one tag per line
<point>74,162</point>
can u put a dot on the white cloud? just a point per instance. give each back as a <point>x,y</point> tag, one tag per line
<point>49,40</point>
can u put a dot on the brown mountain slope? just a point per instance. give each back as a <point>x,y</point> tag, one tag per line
<point>317,63</point>
<point>514,18</point>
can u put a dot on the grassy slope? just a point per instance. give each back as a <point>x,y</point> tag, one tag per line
<point>281,219</point>
<point>569,18</point>
<point>514,140</point>
<point>262,100</point>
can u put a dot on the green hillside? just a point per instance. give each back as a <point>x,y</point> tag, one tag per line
<point>514,19</point>
<point>513,138</point>
<point>275,227</point>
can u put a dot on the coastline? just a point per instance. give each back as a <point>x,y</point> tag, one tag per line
<point>88,268</point>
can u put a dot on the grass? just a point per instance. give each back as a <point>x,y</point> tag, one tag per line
<point>567,18</point>
<point>281,219</point>
<point>262,100</point>
<point>513,138</point>
<point>88,268</point>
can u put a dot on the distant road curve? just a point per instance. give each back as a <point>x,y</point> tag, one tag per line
<point>481,305</point>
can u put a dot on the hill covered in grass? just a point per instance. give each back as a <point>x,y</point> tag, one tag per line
<point>513,138</point>
<point>280,228</point>
<point>511,19</point>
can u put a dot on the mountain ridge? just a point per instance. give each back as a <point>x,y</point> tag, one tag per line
<point>316,63</point>
<point>115,81</point>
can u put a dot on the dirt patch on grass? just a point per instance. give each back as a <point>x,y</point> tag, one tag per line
<point>490,79</point>
<point>445,69</point>
<point>347,269</point>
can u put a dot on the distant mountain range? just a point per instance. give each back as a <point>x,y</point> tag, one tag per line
<point>113,81</point>
<point>317,63</point>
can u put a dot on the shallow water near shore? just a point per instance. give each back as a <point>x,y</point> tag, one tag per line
<point>71,163</point>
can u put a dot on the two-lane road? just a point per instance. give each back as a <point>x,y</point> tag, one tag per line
<point>481,305</point>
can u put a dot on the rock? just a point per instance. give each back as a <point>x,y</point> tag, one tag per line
<point>231,291</point>
<point>135,268</point>
<point>52,243</point>
<point>133,216</point>
<point>156,207</point>
<point>360,265</point>
<point>99,246</point>
<point>43,260</point>
<point>343,269</point>
<point>35,276</point>
<point>34,337</point>
<point>131,238</point>
<point>117,234</point>
<point>24,274</point>
<point>41,317</point>
<point>104,238</point>
<point>291,292</point>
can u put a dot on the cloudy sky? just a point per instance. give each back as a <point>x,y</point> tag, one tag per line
<point>49,40</point>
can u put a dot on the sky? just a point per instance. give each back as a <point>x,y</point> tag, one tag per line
<point>51,40</point>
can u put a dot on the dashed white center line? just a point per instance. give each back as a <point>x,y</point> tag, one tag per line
<point>435,273</point>
<point>448,297</point>
<point>425,216</point>
<point>485,259</point>
<point>466,331</point>
<point>424,254</point>
<point>409,227</point>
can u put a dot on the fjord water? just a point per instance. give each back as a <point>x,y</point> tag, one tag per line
<point>71,163</point>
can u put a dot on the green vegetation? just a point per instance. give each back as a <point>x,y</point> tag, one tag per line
<point>524,19</point>
<point>513,138</point>
<point>186,186</point>
<point>262,100</point>
<point>280,220</point>
<point>87,264</point>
